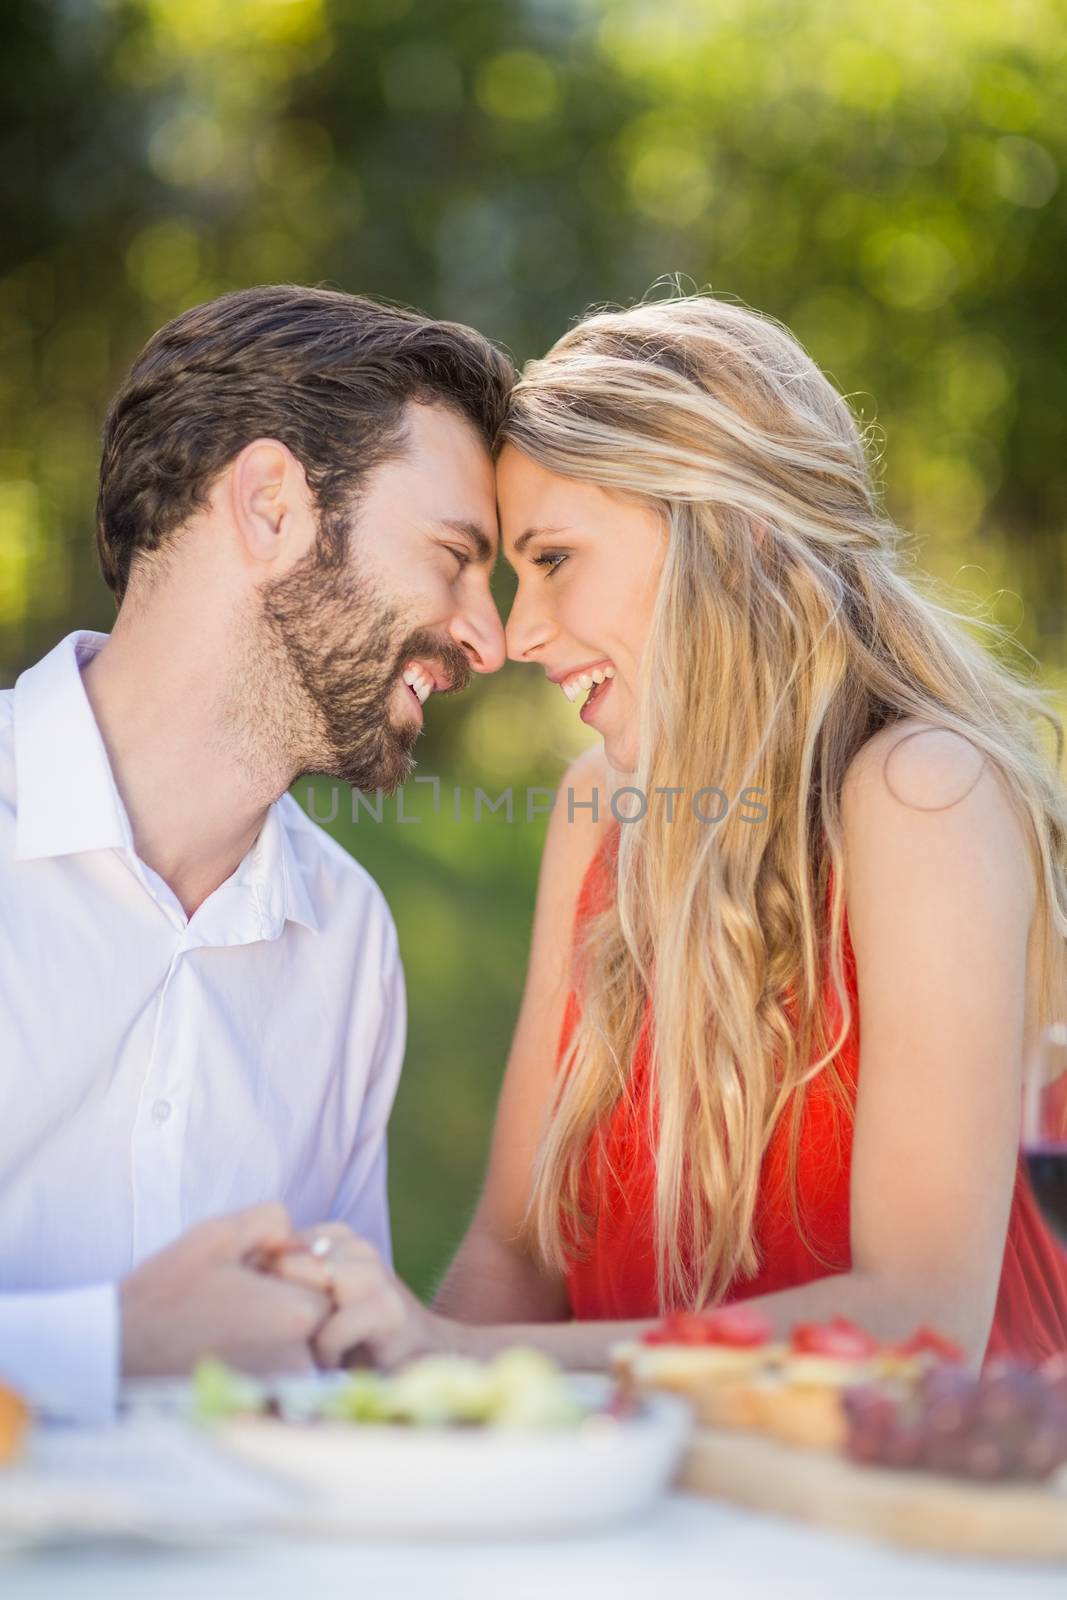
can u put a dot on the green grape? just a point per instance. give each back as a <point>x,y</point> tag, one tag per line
<point>219,1392</point>
<point>441,1389</point>
<point>362,1399</point>
<point>529,1391</point>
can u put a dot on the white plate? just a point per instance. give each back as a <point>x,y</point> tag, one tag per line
<point>410,1482</point>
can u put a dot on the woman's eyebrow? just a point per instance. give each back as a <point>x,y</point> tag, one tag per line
<point>531,533</point>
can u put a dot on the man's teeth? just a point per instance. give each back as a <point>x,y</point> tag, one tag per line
<point>573,687</point>
<point>420,682</point>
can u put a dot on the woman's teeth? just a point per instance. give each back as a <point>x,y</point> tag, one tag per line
<point>420,683</point>
<point>581,681</point>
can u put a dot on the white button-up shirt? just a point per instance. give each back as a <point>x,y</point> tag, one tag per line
<point>157,1069</point>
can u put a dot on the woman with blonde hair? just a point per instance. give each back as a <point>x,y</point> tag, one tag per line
<point>818,802</point>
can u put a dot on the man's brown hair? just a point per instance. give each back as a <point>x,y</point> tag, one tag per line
<point>328,374</point>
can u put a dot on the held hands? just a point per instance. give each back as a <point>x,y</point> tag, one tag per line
<point>375,1320</point>
<point>248,1289</point>
<point>207,1294</point>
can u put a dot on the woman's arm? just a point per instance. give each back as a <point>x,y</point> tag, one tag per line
<point>941,895</point>
<point>493,1278</point>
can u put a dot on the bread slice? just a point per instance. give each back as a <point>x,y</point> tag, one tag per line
<point>723,1383</point>
<point>805,1406</point>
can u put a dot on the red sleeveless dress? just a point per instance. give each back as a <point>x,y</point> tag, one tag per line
<point>615,1276</point>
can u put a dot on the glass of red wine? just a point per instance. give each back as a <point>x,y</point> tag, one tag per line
<point>1044,1131</point>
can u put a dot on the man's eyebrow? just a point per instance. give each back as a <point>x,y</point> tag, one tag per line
<point>531,533</point>
<point>478,537</point>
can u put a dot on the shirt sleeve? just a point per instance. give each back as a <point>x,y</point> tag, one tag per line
<point>362,1199</point>
<point>61,1350</point>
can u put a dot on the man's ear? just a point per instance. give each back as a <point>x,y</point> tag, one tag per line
<point>271,503</point>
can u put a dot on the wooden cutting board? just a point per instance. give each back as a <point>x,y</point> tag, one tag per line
<point>921,1510</point>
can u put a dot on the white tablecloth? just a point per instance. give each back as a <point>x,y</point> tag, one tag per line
<point>684,1547</point>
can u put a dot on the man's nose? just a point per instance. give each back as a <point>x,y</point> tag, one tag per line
<point>480,634</point>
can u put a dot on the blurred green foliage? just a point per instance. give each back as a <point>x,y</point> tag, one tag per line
<point>888,181</point>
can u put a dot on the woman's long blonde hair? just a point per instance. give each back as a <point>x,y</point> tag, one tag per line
<point>786,632</point>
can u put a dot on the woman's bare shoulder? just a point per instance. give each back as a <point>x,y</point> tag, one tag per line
<point>922,804</point>
<point>915,764</point>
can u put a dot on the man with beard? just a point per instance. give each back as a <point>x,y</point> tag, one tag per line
<point>201,1001</point>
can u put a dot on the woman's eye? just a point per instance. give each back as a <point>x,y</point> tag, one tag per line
<point>550,561</point>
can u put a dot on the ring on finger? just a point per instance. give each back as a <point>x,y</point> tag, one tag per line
<point>321,1248</point>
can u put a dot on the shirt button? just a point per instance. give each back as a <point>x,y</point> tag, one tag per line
<point>161,1111</point>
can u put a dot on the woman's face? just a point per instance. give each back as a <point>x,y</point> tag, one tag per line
<point>588,562</point>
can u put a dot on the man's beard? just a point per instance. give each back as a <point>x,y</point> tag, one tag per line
<point>342,651</point>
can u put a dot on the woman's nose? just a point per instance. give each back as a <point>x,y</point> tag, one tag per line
<point>525,632</point>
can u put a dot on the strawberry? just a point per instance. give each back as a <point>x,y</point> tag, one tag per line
<point>738,1326</point>
<point>678,1327</point>
<point>927,1341</point>
<point>840,1339</point>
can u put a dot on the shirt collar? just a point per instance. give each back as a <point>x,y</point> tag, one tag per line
<point>67,800</point>
<point>276,870</point>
